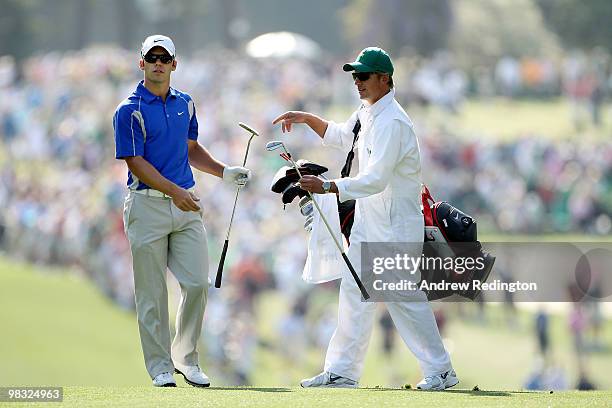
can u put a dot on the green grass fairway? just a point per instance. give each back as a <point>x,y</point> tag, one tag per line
<point>58,329</point>
<point>185,396</point>
<point>500,118</point>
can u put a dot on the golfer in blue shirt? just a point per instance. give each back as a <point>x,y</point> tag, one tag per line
<point>156,132</point>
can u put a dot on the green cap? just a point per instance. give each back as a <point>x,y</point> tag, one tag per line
<point>371,59</point>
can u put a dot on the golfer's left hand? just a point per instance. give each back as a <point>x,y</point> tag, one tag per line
<point>236,174</point>
<point>312,183</point>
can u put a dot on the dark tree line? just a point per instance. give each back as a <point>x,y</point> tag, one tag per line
<point>420,25</point>
<point>340,26</point>
<point>579,23</point>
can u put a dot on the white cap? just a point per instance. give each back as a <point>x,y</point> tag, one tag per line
<point>158,41</point>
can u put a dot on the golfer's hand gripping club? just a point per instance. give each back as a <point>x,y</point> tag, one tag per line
<point>237,175</point>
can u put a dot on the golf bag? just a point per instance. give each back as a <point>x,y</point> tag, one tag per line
<point>449,232</point>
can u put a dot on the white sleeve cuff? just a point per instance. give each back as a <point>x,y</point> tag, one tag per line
<point>333,135</point>
<point>343,194</point>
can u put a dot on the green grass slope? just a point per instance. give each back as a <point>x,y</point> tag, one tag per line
<point>57,329</point>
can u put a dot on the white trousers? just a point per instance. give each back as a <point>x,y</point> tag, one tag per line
<point>413,319</point>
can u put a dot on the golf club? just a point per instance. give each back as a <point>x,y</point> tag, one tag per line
<point>277,144</point>
<point>229,229</point>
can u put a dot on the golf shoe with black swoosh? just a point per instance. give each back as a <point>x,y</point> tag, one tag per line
<point>328,380</point>
<point>439,382</point>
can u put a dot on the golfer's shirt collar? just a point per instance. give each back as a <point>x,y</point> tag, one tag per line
<point>147,96</point>
<point>380,105</point>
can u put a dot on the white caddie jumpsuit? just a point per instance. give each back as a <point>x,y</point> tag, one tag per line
<point>387,189</point>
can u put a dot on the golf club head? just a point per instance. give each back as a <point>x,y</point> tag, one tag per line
<point>275,145</point>
<point>248,128</point>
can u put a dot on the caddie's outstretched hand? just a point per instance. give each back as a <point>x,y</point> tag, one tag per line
<point>237,174</point>
<point>289,118</point>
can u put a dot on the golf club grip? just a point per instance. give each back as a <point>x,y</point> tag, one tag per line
<point>362,288</point>
<point>220,267</point>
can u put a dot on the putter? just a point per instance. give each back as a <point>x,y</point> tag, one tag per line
<point>277,144</point>
<point>229,229</point>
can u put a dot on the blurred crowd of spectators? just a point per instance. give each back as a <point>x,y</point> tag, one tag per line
<point>62,190</point>
<point>585,79</point>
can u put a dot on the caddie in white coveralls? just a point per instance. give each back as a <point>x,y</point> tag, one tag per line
<point>387,189</point>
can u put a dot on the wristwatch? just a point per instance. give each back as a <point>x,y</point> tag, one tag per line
<point>326,186</point>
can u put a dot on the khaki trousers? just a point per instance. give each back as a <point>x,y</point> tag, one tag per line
<point>162,236</point>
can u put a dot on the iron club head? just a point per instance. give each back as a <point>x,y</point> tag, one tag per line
<point>277,144</point>
<point>248,128</point>
<point>274,145</point>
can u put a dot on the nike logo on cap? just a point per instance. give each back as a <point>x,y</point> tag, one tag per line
<point>158,40</point>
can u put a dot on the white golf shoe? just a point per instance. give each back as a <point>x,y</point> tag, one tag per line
<point>164,380</point>
<point>193,375</point>
<point>328,380</point>
<point>439,382</point>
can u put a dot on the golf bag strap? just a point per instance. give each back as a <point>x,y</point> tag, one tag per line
<point>346,169</point>
<point>425,199</point>
<point>348,207</point>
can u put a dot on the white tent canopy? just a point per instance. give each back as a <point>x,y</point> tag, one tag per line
<point>282,44</point>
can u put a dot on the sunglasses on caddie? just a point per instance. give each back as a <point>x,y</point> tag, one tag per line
<point>152,58</point>
<point>362,76</point>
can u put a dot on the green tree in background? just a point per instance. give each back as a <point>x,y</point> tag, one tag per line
<point>486,30</point>
<point>420,25</point>
<point>580,23</point>
<point>31,26</point>
<point>478,31</point>
<point>17,33</point>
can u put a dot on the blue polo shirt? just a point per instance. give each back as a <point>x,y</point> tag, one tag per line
<point>146,126</point>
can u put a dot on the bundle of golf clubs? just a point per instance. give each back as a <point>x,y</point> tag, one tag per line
<point>304,203</point>
<point>276,145</point>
